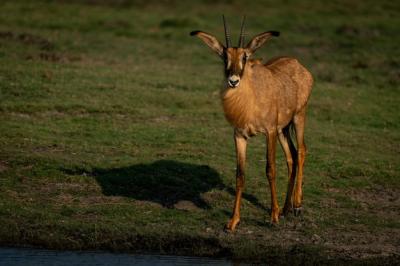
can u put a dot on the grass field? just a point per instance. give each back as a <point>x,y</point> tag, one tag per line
<point>112,135</point>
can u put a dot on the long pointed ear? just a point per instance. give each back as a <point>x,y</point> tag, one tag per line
<point>259,40</point>
<point>210,40</point>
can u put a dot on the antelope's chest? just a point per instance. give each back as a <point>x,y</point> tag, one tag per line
<point>241,112</point>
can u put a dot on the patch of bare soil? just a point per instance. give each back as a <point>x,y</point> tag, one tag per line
<point>47,47</point>
<point>380,201</point>
<point>352,31</point>
<point>93,199</point>
<point>60,188</point>
<point>53,57</point>
<point>379,195</point>
<point>3,166</point>
<point>186,206</point>
<point>362,244</point>
<point>148,203</point>
<point>361,241</point>
<point>28,39</point>
<point>115,3</point>
<point>99,199</point>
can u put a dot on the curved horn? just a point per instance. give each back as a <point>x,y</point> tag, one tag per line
<point>241,38</point>
<point>227,37</point>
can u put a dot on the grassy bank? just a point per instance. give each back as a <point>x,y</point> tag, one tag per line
<point>112,135</point>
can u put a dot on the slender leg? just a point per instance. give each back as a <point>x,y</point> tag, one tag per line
<point>299,122</point>
<point>291,159</point>
<point>240,144</point>
<point>271,174</point>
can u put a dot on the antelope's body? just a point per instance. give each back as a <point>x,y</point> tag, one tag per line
<point>264,98</point>
<point>268,96</point>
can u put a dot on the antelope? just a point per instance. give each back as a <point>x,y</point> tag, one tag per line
<point>269,99</point>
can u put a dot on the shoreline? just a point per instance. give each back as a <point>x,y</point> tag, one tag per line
<point>294,255</point>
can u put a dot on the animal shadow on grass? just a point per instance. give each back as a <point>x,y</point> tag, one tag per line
<point>165,182</point>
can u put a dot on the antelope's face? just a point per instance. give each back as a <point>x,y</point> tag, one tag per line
<point>235,58</point>
<point>235,61</point>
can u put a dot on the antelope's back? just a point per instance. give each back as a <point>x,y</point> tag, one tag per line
<point>300,76</point>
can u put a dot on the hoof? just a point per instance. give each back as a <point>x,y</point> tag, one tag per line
<point>273,224</point>
<point>275,216</point>
<point>274,220</point>
<point>230,226</point>
<point>297,211</point>
<point>284,212</point>
<point>228,230</point>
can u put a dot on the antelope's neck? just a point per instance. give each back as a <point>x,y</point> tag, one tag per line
<point>239,104</point>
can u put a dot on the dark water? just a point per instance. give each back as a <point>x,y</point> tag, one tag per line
<point>22,256</point>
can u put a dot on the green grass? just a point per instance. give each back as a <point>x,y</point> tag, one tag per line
<point>112,135</point>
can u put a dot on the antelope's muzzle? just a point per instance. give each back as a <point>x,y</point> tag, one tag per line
<point>233,81</point>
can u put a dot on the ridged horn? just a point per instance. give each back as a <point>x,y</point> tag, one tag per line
<point>241,38</point>
<point>227,36</point>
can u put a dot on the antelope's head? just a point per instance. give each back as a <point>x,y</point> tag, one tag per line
<point>235,58</point>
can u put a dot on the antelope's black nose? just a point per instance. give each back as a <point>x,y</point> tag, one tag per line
<point>233,83</point>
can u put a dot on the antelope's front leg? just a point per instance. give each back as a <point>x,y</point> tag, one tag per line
<point>271,174</point>
<point>240,144</point>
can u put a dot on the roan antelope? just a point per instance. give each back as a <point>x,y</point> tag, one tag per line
<point>265,98</point>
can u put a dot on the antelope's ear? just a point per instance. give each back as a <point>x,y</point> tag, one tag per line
<point>210,40</point>
<point>259,40</point>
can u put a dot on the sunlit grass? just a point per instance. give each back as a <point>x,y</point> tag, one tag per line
<point>85,87</point>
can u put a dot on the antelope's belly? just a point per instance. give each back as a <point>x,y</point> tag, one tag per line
<point>249,130</point>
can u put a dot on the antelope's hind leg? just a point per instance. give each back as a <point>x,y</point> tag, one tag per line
<point>299,123</point>
<point>271,175</point>
<point>291,160</point>
<point>240,144</point>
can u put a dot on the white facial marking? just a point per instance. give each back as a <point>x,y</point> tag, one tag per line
<point>234,78</point>
<point>233,81</point>
<point>228,65</point>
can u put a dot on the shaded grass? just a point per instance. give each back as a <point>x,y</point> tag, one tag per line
<point>92,101</point>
